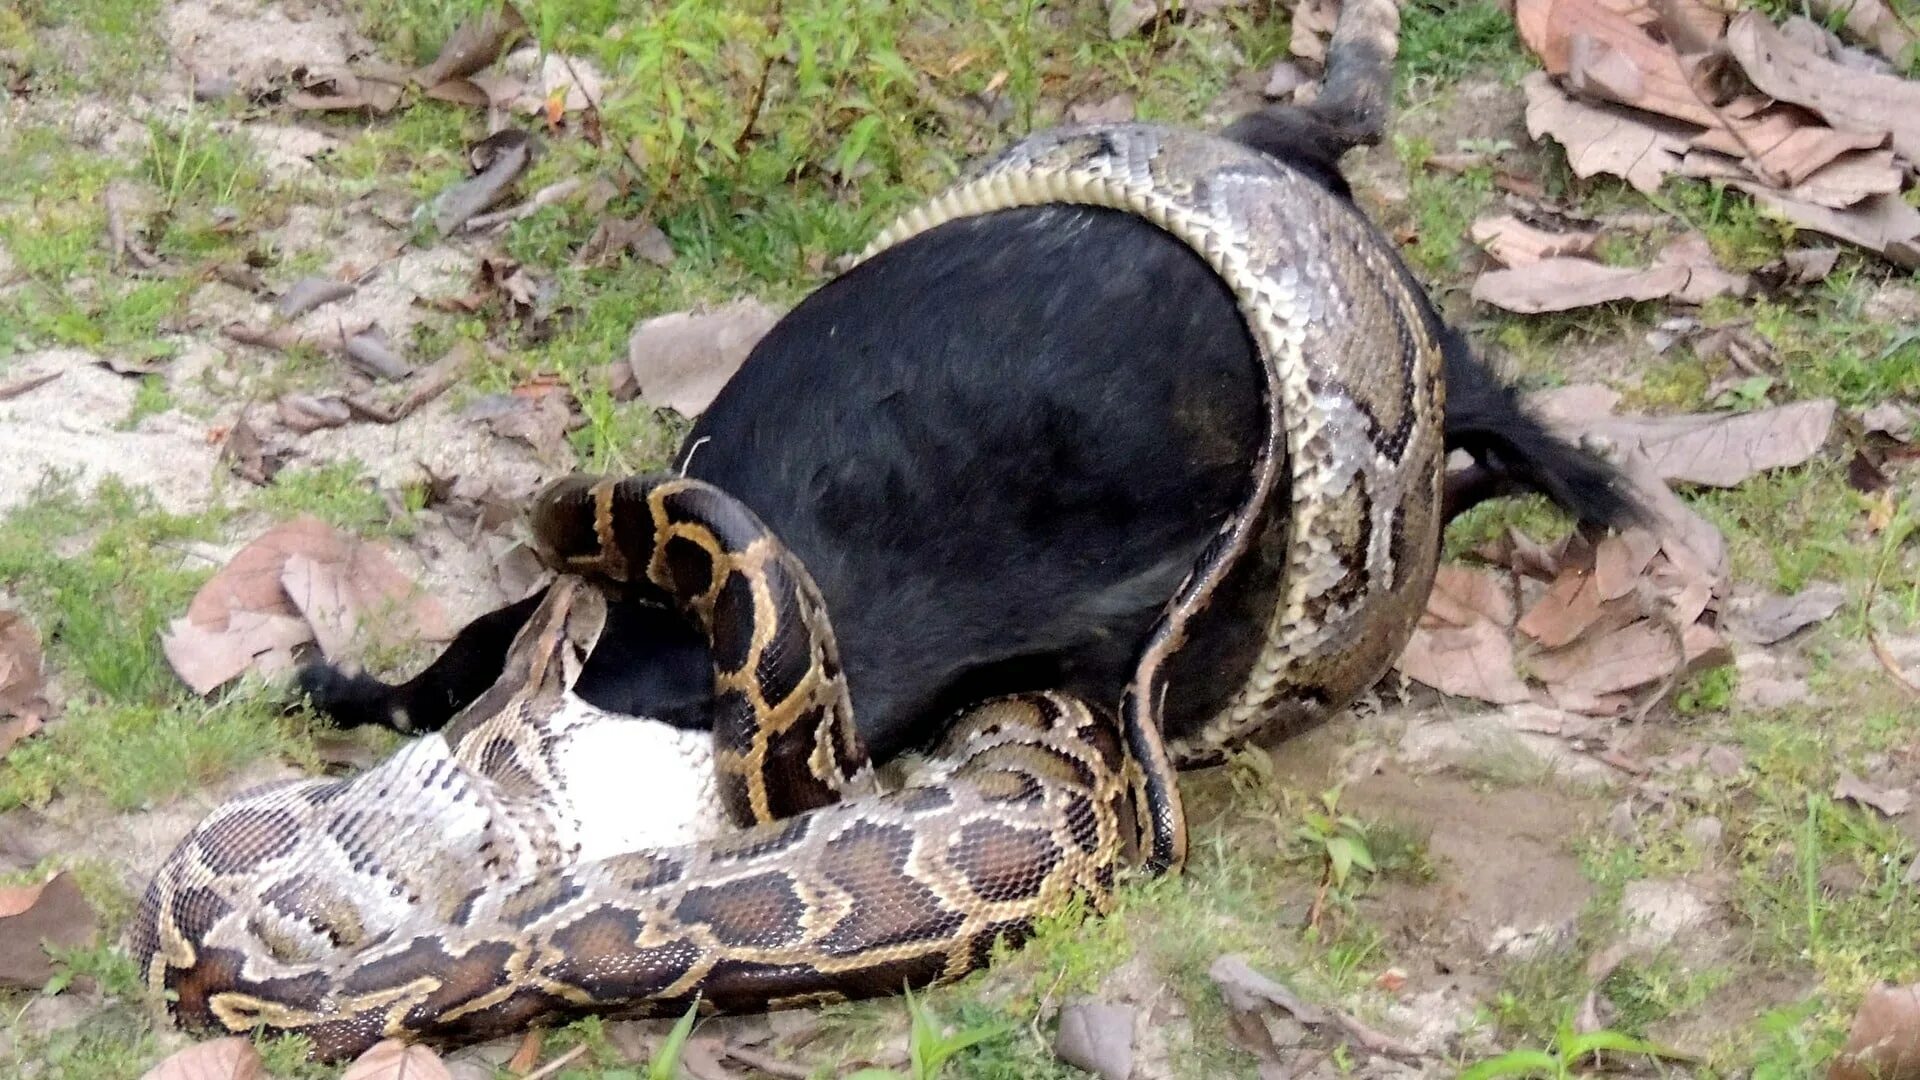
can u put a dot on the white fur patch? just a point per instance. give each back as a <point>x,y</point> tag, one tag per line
<point>635,783</point>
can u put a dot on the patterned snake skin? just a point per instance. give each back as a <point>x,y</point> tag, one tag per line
<point>446,894</point>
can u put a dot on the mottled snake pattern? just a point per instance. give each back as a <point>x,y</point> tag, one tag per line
<point>446,894</point>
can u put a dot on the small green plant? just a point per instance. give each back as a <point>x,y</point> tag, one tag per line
<point>929,1048</point>
<point>666,1064</point>
<point>1710,691</point>
<point>1337,838</point>
<point>1567,1051</point>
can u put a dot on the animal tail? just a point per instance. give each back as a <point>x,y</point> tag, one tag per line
<point>1514,453</point>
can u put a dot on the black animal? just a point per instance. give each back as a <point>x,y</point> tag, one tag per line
<point>998,448</point>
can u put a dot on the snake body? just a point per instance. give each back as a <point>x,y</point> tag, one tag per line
<point>444,894</point>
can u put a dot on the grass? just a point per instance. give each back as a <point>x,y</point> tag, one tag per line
<point>759,192</point>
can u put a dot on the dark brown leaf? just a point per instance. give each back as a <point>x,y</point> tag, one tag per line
<point>33,916</point>
<point>539,420</point>
<point>248,454</point>
<point>231,1058</point>
<point>1473,661</point>
<point>474,44</point>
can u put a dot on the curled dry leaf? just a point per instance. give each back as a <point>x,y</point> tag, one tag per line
<point>1851,100</point>
<point>34,916</point>
<point>616,236</point>
<point>22,680</point>
<point>1896,420</point>
<point>305,413</point>
<point>1880,223</point>
<point>509,153</point>
<point>1885,1041</point>
<point>680,361</point>
<point>370,351</point>
<point>474,44</point>
<point>1515,243</point>
<point>341,90</point>
<point>231,1058</point>
<point>541,420</point>
<point>392,1059</point>
<point>245,616</point>
<point>1097,1038</point>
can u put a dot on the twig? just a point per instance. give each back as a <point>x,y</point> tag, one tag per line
<point>759,97</point>
<point>541,199</point>
<point>1679,640</point>
<point>557,1064</point>
<point>1880,651</point>
<point>27,385</point>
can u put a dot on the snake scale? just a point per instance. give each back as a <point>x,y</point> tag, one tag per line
<point>451,892</point>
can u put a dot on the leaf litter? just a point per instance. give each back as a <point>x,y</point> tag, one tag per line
<point>300,582</point>
<point>1647,92</point>
<point>34,916</point>
<point>230,1058</point>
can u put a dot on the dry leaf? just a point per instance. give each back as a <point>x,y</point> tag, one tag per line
<point>1849,100</point>
<point>1624,659</point>
<point>1893,419</point>
<point>1872,22</point>
<point>1603,138</point>
<point>539,420</point>
<point>244,618</point>
<point>1097,1038</point>
<point>511,150</point>
<point>1564,284</point>
<point>1693,544</point>
<point>392,1059</point>
<point>341,90</point>
<point>615,236</point>
<point>1885,1041</point>
<point>1462,595</point>
<point>309,293</point>
<point>1515,243</point>
<point>572,81</point>
<point>1776,618</point>
<point>22,680</point>
<point>370,351</point>
<point>681,361</point>
<point>1724,450</point>
<point>1604,53</point>
<point>16,729</point>
<point>304,413</point>
<point>231,1058</point>
<point>1881,223</point>
<point>32,916</point>
<point>1473,661</point>
<point>1782,149</point>
<point>473,45</point>
<point>1570,605</point>
<point>1889,801</point>
<point>249,455</point>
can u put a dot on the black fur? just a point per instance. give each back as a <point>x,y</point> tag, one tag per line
<point>998,448</point>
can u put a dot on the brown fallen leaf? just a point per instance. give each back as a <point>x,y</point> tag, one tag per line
<point>507,155</point>
<point>614,237</point>
<point>1472,661</point>
<point>371,352</point>
<point>1783,149</point>
<point>309,293</point>
<point>1768,619</point>
<point>1097,1038</point>
<point>1889,801</point>
<point>539,420</point>
<point>231,1058</point>
<point>33,916</point>
<point>1605,53</point>
<point>1865,476</point>
<point>1566,284</point>
<point>249,455</point>
<point>1628,658</point>
<point>341,90</point>
<point>1717,449</point>
<point>244,618</point>
<point>1515,243</point>
<point>1880,223</point>
<point>1896,420</point>
<point>1461,595</point>
<point>1248,993</point>
<point>392,1059</point>
<point>1884,1043</point>
<point>474,44</point>
<point>304,413</point>
<point>22,680</point>
<point>1849,100</point>
<point>680,361</point>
